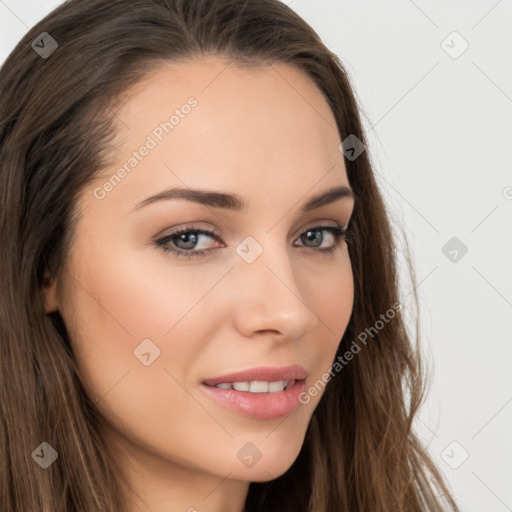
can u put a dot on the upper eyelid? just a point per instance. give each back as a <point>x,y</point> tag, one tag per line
<point>212,233</point>
<point>215,232</point>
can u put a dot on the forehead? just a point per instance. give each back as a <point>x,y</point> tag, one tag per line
<point>210,123</point>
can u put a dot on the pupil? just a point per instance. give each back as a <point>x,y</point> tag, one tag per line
<point>183,237</point>
<point>316,237</point>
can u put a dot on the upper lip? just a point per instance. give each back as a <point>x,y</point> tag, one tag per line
<point>262,373</point>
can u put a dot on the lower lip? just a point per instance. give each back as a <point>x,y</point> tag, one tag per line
<point>258,405</point>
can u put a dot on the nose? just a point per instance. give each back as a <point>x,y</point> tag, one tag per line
<point>270,300</point>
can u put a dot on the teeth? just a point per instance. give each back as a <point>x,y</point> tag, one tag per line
<point>241,386</point>
<point>260,386</point>
<point>224,385</point>
<point>276,386</point>
<point>257,386</point>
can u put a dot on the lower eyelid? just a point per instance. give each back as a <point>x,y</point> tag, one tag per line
<point>163,242</point>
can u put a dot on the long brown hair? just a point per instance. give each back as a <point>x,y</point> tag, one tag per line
<point>57,116</point>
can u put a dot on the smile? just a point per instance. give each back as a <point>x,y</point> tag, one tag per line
<point>257,386</point>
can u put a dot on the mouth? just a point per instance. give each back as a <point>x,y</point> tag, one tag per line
<point>260,393</point>
<point>257,386</point>
<point>260,374</point>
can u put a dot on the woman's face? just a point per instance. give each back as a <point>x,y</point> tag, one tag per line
<point>148,328</point>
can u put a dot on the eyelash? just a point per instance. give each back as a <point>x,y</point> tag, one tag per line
<point>338,232</point>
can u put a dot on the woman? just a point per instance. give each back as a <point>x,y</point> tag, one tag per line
<point>199,294</point>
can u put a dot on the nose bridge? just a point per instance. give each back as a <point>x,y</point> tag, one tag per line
<point>269,296</point>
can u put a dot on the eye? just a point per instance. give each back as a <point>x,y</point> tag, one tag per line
<point>181,241</point>
<point>337,232</point>
<point>185,239</point>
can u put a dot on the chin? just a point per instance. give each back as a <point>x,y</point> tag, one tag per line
<point>270,466</point>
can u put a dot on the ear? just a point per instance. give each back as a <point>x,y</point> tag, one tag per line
<point>49,289</point>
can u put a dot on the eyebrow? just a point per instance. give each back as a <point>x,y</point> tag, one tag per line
<point>234,202</point>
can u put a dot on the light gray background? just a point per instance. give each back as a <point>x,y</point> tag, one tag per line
<point>439,131</point>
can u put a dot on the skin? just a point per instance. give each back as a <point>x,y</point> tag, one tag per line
<point>276,146</point>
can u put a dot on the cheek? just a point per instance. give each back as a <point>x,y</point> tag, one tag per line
<point>136,316</point>
<point>126,313</point>
<point>331,298</point>
<point>336,297</point>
